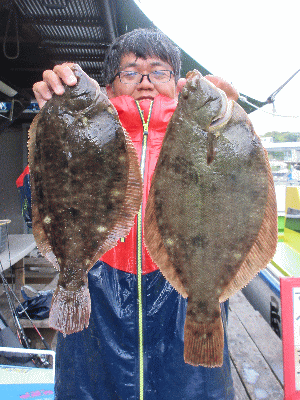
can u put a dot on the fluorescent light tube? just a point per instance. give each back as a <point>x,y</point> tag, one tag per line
<point>7,90</point>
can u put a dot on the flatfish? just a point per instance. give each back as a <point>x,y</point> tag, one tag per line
<point>211,218</point>
<point>86,190</point>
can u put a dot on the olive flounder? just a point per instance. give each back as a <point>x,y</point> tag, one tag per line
<point>86,190</point>
<point>211,217</point>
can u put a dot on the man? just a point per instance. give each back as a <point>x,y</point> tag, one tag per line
<point>133,347</point>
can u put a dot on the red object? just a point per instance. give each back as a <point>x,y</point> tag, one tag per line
<point>289,302</point>
<point>19,181</point>
<point>123,256</point>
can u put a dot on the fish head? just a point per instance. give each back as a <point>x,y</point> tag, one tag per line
<point>83,93</point>
<point>201,101</point>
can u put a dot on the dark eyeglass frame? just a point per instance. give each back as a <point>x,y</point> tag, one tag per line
<point>142,77</point>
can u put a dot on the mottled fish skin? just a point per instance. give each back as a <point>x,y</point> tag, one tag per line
<point>86,190</point>
<point>210,222</point>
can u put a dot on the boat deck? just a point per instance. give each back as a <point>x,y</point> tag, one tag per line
<point>256,353</point>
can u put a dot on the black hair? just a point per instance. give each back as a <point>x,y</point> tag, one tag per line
<point>143,43</point>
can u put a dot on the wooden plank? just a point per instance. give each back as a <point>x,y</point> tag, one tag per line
<point>38,261</point>
<point>268,343</point>
<point>39,323</point>
<point>239,389</point>
<point>257,377</point>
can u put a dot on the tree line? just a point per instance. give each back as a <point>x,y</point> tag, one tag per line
<point>279,137</point>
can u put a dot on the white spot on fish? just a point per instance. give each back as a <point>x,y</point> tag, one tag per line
<point>85,121</point>
<point>47,219</point>
<point>115,192</point>
<point>170,242</point>
<point>237,256</point>
<point>101,229</point>
<point>68,119</point>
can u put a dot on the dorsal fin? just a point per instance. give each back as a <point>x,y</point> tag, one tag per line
<point>39,233</point>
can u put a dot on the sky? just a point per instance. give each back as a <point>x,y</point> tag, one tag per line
<point>252,44</point>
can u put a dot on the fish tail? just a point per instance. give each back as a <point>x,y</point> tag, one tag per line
<point>70,310</point>
<point>203,343</point>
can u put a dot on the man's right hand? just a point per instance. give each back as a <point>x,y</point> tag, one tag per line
<point>53,83</point>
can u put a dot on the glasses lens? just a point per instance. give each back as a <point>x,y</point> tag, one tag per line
<point>130,77</point>
<point>160,76</point>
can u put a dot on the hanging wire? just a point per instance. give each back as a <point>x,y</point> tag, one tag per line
<point>243,98</point>
<point>11,12</point>
<point>271,100</point>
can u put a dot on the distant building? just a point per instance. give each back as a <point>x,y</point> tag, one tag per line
<point>267,139</point>
<point>290,150</point>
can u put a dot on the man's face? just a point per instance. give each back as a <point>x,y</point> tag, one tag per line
<point>145,89</point>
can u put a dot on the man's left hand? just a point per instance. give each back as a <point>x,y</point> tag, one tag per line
<point>230,91</point>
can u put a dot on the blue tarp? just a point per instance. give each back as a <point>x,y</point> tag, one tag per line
<point>102,361</point>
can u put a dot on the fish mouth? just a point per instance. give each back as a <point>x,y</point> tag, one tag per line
<point>223,117</point>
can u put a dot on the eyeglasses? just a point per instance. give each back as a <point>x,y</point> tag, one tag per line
<point>134,78</point>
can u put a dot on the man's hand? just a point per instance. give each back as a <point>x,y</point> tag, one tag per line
<point>53,83</point>
<point>230,91</point>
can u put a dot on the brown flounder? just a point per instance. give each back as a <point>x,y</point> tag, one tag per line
<point>86,190</point>
<point>211,218</point>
